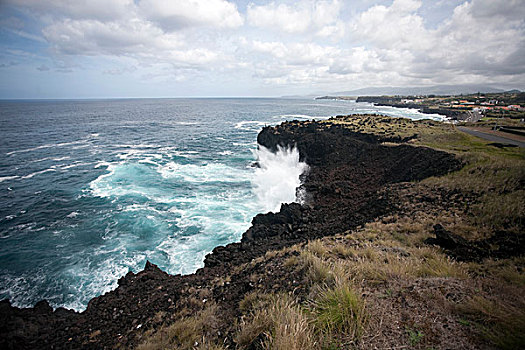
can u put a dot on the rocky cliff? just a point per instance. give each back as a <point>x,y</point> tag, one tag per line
<point>345,188</point>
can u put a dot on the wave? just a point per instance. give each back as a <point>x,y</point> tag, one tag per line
<point>186,123</point>
<point>38,173</point>
<point>293,116</point>
<point>139,146</point>
<point>62,144</point>
<point>177,213</point>
<point>250,125</point>
<point>7,178</point>
<point>278,176</point>
<point>210,172</point>
<point>74,165</point>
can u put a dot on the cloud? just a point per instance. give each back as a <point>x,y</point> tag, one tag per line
<point>177,14</point>
<point>93,37</point>
<point>312,43</point>
<point>320,17</point>
<point>80,9</point>
<point>397,26</point>
<point>471,44</point>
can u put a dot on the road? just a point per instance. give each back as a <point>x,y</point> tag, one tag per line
<point>490,137</point>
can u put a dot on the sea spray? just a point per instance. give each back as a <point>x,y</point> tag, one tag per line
<point>278,176</point>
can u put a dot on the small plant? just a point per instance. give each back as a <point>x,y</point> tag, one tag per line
<point>280,324</point>
<point>414,336</point>
<point>317,248</point>
<point>319,271</point>
<point>340,309</point>
<point>463,322</point>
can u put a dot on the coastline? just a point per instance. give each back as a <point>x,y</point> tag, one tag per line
<point>359,168</point>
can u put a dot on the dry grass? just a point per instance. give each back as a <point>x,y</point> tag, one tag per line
<point>375,256</point>
<point>340,310</point>
<point>317,248</point>
<point>192,332</point>
<point>500,323</point>
<point>278,322</point>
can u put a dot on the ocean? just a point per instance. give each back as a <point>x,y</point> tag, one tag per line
<point>91,189</point>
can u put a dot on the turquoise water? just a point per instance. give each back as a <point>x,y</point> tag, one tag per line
<point>92,189</point>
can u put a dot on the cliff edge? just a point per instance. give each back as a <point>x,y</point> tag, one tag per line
<point>366,180</point>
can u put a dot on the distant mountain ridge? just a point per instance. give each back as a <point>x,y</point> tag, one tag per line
<point>422,90</point>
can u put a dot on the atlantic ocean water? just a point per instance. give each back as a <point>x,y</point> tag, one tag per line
<point>92,189</point>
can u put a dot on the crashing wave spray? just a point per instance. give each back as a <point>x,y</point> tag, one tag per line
<point>277,177</point>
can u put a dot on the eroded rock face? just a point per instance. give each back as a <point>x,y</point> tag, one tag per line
<point>347,172</point>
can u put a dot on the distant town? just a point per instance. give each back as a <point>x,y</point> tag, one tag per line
<point>479,107</point>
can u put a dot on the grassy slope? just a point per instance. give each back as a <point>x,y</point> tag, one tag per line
<point>381,286</point>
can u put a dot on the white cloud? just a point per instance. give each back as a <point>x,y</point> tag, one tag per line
<point>330,43</point>
<point>176,14</point>
<point>93,37</point>
<point>397,26</point>
<point>320,17</point>
<point>141,35</point>
<point>471,44</point>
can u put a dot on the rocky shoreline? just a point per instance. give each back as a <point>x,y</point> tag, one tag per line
<point>347,186</point>
<point>453,114</point>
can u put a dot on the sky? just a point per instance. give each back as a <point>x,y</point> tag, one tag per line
<point>220,48</point>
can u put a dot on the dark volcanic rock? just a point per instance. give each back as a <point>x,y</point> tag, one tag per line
<point>502,245</point>
<point>344,189</point>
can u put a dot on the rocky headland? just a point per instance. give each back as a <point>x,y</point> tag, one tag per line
<point>366,174</point>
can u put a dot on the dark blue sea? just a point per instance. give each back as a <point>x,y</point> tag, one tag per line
<point>92,189</point>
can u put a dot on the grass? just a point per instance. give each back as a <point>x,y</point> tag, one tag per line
<point>414,336</point>
<point>280,321</point>
<point>340,310</point>
<point>500,323</point>
<point>375,262</point>
<point>190,332</point>
<point>277,323</point>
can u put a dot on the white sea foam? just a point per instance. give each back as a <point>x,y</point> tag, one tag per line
<point>137,146</point>
<point>186,123</point>
<point>74,165</point>
<point>92,280</point>
<point>38,173</point>
<point>148,161</point>
<point>250,125</point>
<point>185,154</point>
<point>7,178</point>
<point>57,159</point>
<point>293,117</point>
<point>245,144</point>
<point>277,179</point>
<point>101,164</point>
<point>211,172</point>
<point>62,144</point>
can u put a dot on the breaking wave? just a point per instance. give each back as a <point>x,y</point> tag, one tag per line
<point>278,176</point>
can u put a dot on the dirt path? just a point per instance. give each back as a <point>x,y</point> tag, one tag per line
<point>494,136</point>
